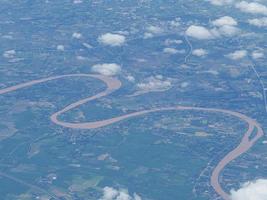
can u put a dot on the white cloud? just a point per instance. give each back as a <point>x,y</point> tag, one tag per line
<point>9,53</point>
<point>77,1</point>
<point>237,55</point>
<point>185,84</point>
<point>252,7</point>
<point>60,48</point>
<point>175,23</point>
<point>155,83</point>
<point>112,39</point>
<point>107,69</point>
<point>256,190</point>
<point>81,58</point>
<point>220,2</point>
<point>228,31</point>
<point>148,35</point>
<point>222,29</point>
<point>154,29</point>
<point>137,197</point>
<point>88,46</point>
<point>225,26</point>
<point>110,193</point>
<point>170,51</point>
<point>257,54</point>
<point>226,20</point>
<point>199,32</point>
<point>130,78</point>
<point>259,22</point>
<point>122,32</point>
<point>151,31</point>
<point>199,52</point>
<point>77,35</point>
<point>170,42</point>
<point>123,195</point>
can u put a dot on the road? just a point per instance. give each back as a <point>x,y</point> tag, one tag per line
<point>114,84</point>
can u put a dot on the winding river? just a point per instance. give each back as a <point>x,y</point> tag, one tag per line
<point>114,84</point>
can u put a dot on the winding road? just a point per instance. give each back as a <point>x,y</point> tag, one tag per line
<point>249,139</point>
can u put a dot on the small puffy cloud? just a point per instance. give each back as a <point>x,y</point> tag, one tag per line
<point>259,22</point>
<point>257,54</point>
<point>110,193</point>
<point>228,31</point>
<point>252,7</point>
<point>9,53</point>
<point>107,69</point>
<point>154,83</point>
<point>130,78</point>
<point>60,48</point>
<point>237,55</point>
<point>202,33</point>
<point>123,195</point>
<point>148,35</point>
<point>199,32</point>
<point>256,190</point>
<point>154,29</point>
<point>226,20</point>
<point>77,35</point>
<point>170,51</point>
<point>225,26</point>
<point>77,1</point>
<point>112,39</point>
<point>220,2</point>
<point>81,58</point>
<point>175,23</point>
<point>199,52</point>
<point>151,31</point>
<point>185,84</point>
<point>136,197</point>
<point>88,46</point>
<point>170,42</point>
